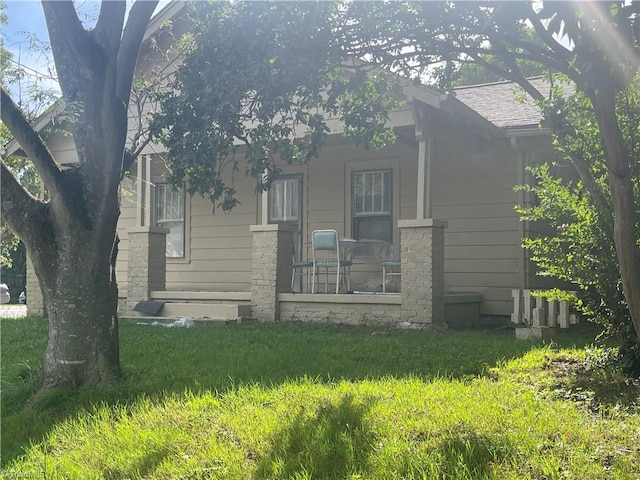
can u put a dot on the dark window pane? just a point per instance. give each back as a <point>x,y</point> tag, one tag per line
<point>374,228</point>
<point>372,205</point>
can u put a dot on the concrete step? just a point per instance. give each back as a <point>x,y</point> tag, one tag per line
<point>201,297</point>
<point>219,311</point>
<point>184,322</point>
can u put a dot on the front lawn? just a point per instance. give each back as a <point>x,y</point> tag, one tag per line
<point>327,402</point>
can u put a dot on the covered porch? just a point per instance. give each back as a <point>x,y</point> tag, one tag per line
<point>421,303</point>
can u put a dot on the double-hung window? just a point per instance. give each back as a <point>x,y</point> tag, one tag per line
<point>371,205</point>
<point>169,214</point>
<point>284,200</point>
<point>285,206</point>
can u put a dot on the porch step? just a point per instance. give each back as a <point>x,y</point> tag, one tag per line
<point>177,296</point>
<point>218,311</point>
<point>195,322</point>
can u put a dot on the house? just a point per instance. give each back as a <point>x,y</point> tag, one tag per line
<point>442,195</point>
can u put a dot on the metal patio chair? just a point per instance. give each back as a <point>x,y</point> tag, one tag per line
<point>390,268</point>
<point>327,256</point>
<point>302,269</point>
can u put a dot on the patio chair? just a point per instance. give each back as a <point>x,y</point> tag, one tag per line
<point>299,269</point>
<point>390,268</point>
<point>327,256</point>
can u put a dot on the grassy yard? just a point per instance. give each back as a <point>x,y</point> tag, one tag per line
<point>317,401</point>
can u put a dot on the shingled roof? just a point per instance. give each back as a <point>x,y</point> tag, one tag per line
<point>505,104</point>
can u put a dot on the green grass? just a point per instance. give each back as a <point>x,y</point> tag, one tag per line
<point>273,401</point>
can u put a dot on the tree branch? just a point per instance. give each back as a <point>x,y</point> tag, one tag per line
<point>538,54</point>
<point>108,29</point>
<point>582,167</point>
<point>30,141</point>
<point>556,47</point>
<point>71,45</point>
<point>514,76</point>
<point>132,37</point>
<point>63,14</point>
<point>17,203</point>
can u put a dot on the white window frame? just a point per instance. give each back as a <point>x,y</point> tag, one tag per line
<point>370,200</point>
<point>286,182</point>
<point>372,205</point>
<point>165,222</point>
<point>359,165</point>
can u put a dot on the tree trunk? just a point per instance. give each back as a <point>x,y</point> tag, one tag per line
<point>81,297</point>
<point>71,238</point>
<point>624,206</point>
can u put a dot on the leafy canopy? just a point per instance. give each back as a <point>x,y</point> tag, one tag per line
<point>265,76</point>
<point>594,43</point>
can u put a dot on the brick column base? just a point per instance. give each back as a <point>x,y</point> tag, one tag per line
<point>270,269</point>
<point>422,258</point>
<point>147,269</point>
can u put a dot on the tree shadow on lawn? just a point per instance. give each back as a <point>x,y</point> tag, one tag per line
<point>595,386</point>
<point>223,358</point>
<point>159,361</point>
<point>341,441</point>
<point>334,442</point>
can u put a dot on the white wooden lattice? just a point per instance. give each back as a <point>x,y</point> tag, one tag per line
<point>546,313</point>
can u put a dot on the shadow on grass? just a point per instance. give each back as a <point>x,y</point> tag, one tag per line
<point>598,386</point>
<point>331,444</point>
<point>466,454</point>
<point>459,452</point>
<point>158,361</point>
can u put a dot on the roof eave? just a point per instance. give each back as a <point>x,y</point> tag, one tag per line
<point>167,13</point>
<point>527,131</point>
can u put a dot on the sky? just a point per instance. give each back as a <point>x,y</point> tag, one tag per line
<point>24,18</point>
<point>26,21</point>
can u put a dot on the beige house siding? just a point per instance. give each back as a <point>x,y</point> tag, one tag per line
<point>220,253</point>
<point>473,192</point>
<point>218,243</point>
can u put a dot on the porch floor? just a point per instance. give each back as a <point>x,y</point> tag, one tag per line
<point>462,310</point>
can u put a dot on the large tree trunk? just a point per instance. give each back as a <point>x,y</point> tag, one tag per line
<point>76,272</point>
<point>77,278</point>
<point>71,237</point>
<point>624,206</point>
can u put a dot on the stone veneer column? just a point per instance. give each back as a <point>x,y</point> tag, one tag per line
<point>35,300</point>
<point>147,269</point>
<point>270,268</point>
<point>422,257</point>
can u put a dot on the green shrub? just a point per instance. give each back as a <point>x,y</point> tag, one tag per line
<point>578,247</point>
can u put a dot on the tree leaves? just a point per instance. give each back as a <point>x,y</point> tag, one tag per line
<point>575,218</point>
<point>259,79</point>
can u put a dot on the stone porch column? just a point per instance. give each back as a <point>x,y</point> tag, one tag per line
<point>147,269</point>
<point>422,258</point>
<point>270,268</point>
